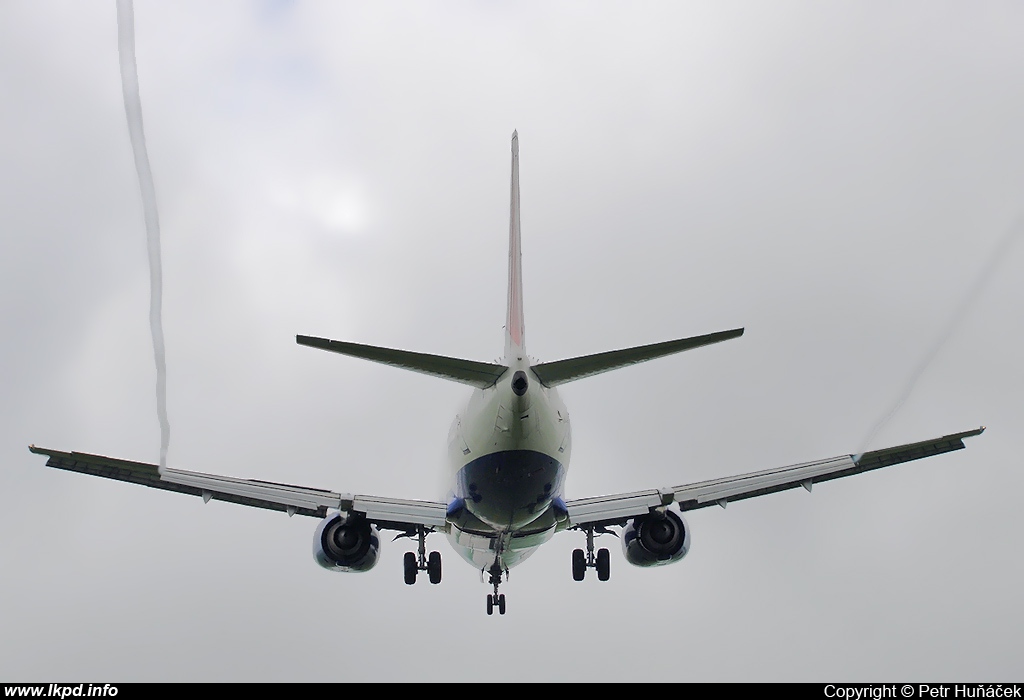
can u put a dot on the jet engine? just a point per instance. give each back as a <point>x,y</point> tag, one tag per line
<point>656,539</point>
<point>346,543</point>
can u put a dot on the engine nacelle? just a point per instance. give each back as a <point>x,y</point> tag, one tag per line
<point>656,539</point>
<point>346,543</point>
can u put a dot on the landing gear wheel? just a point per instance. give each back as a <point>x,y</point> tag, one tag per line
<point>434,567</point>
<point>410,568</point>
<point>501,604</point>
<point>603,565</point>
<point>490,604</point>
<point>579,565</point>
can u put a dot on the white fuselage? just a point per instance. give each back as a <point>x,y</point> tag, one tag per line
<point>508,453</point>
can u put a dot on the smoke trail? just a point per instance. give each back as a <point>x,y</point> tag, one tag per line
<point>999,253</point>
<point>133,110</point>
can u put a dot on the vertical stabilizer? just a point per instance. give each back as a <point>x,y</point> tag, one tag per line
<point>515,332</point>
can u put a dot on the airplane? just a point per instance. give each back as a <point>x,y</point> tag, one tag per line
<point>509,453</point>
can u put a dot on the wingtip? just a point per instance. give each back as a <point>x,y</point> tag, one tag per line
<point>515,143</point>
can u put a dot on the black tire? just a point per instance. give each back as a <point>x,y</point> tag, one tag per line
<point>410,568</point>
<point>501,604</point>
<point>579,565</point>
<point>490,604</point>
<point>604,565</point>
<point>434,567</point>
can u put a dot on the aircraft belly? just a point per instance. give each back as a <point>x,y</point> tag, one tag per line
<point>492,423</point>
<point>509,455</point>
<point>510,489</point>
<point>479,547</point>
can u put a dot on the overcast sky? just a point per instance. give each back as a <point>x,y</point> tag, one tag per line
<point>831,176</point>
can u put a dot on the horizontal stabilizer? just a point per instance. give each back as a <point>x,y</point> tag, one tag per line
<point>562,371</point>
<point>478,374</point>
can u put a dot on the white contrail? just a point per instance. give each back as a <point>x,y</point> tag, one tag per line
<point>999,253</point>
<point>133,110</point>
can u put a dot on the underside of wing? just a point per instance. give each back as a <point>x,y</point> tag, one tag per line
<point>617,509</point>
<point>387,513</point>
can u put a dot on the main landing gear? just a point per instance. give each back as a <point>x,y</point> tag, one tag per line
<point>581,560</point>
<point>494,600</point>
<point>417,562</point>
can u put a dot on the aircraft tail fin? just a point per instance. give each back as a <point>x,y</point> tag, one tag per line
<point>562,371</point>
<point>515,331</point>
<point>478,374</point>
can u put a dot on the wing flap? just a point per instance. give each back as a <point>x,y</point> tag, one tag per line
<point>396,513</point>
<point>478,374</point>
<point>612,508</point>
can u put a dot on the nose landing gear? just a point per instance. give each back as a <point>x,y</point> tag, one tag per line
<point>491,604</point>
<point>494,600</point>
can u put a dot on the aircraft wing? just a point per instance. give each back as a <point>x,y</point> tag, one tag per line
<point>387,513</point>
<point>618,509</point>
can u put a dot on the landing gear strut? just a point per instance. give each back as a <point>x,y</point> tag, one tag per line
<point>416,562</point>
<point>496,600</point>
<point>581,561</point>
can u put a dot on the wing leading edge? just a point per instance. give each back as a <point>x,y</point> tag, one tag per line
<point>387,513</point>
<point>607,510</point>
